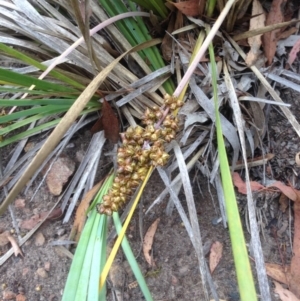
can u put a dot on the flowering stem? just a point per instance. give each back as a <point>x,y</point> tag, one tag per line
<point>204,47</point>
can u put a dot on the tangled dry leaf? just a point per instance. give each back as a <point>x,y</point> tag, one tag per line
<point>148,241</point>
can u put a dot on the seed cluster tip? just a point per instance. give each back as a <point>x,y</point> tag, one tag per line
<point>140,149</point>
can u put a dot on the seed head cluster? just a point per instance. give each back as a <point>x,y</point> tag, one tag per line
<point>141,148</point>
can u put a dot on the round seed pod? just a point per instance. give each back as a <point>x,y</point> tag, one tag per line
<point>142,171</point>
<point>100,208</point>
<point>121,161</point>
<point>114,207</point>
<point>179,103</point>
<point>128,169</point>
<point>168,99</point>
<point>129,150</point>
<point>138,132</point>
<point>135,176</point>
<point>173,106</point>
<point>153,156</point>
<point>108,211</point>
<point>150,128</point>
<point>115,185</point>
<point>129,132</point>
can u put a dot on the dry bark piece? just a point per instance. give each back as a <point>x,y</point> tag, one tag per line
<point>148,241</point>
<point>59,174</point>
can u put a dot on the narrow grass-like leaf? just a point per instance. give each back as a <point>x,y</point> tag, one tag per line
<point>17,79</point>
<point>131,260</point>
<point>157,6</point>
<point>240,255</point>
<point>136,32</point>
<point>29,112</point>
<point>36,130</point>
<point>71,287</point>
<point>26,59</point>
<point>33,102</point>
<point>255,239</point>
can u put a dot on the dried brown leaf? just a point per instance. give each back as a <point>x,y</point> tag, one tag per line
<point>35,219</point>
<point>275,16</point>
<point>148,241</point>
<point>255,23</point>
<point>277,272</point>
<point>215,255</point>
<point>293,53</point>
<point>241,185</point>
<point>284,202</point>
<point>3,238</point>
<point>107,122</point>
<point>14,245</point>
<point>188,8</point>
<point>294,283</point>
<point>284,294</point>
<point>80,216</point>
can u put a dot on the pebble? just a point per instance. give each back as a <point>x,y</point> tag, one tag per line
<point>8,295</point>
<point>61,232</point>
<point>20,297</point>
<point>39,239</point>
<point>41,272</point>
<point>59,174</point>
<point>47,266</point>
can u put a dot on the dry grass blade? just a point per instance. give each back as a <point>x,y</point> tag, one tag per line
<point>192,213</point>
<point>175,181</point>
<point>259,31</point>
<point>94,154</point>
<point>291,118</point>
